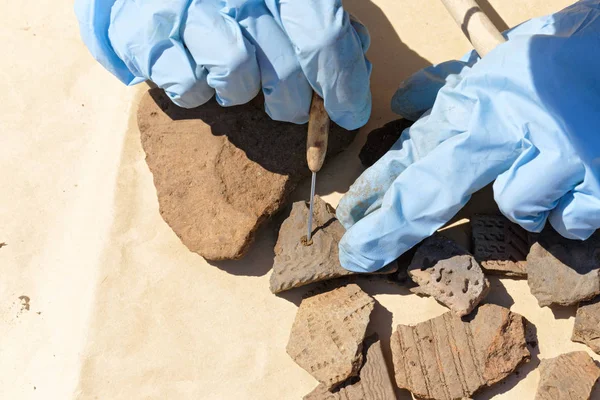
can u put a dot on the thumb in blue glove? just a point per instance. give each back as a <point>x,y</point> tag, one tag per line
<point>525,116</point>
<point>231,49</point>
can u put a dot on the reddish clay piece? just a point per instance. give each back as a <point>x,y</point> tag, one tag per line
<point>220,172</point>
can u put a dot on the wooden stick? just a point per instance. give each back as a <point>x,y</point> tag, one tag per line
<point>476,26</point>
<point>318,133</point>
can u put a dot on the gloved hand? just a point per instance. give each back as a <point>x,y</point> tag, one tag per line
<point>527,115</point>
<point>194,48</point>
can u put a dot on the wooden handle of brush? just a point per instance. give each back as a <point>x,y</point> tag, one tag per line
<point>318,133</point>
<point>476,26</point>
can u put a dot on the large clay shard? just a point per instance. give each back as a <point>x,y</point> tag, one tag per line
<point>219,171</point>
<point>446,358</point>
<point>297,264</point>
<point>374,383</point>
<point>570,376</point>
<point>587,325</point>
<point>562,271</point>
<point>380,141</point>
<point>327,335</point>
<point>449,274</point>
<point>499,245</point>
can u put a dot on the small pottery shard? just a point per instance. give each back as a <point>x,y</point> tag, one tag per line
<point>499,245</point>
<point>449,274</point>
<point>568,376</point>
<point>374,384</point>
<point>446,358</point>
<point>380,140</point>
<point>587,325</point>
<point>562,271</point>
<point>220,172</point>
<point>297,264</point>
<point>327,335</point>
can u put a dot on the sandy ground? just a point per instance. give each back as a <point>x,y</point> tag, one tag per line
<point>118,308</point>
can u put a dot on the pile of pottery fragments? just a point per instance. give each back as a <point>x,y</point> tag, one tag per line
<point>222,172</point>
<point>456,354</point>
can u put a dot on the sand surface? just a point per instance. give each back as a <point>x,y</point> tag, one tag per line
<point>118,308</point>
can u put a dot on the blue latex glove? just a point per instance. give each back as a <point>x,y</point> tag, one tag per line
<point>196,48</point>
<point>527,115</point>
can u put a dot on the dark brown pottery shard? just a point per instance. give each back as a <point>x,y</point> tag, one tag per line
<point>562,271</point>
<point>499,245</point>
<point>374,383</point>
<point>220,172</point>
<point>449,274</point>
<point>447,358</point>
<point>381,140</point>
<point>327,335</point>
<point>297,264</point>
<point>587,325</point>
<point>568,376</point>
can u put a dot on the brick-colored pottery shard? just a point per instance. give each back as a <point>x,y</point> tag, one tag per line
<point>562,271</point>
<point>569,376</point>
<point>297,264</point>
<point>220,172</point>
<point>374,383</point>
<point>446,358</point>
<point>327,334</point>
<point>587,325</point>
<point>499,245</point>
<point>448,273</point>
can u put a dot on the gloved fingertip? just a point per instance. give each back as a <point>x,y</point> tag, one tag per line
<point>342,212</point>
<point>191,91</point>
<point>406,109</point>
<point>577,215</point>
<point>530,219</point>
<point>240,85</point>
<point>531,223</point>
<point>287,96</point>
<point>355,118</point>
<point>286,114</point>
<point>189,99</point>
<point>573,233</point>
<point>417,94</point>
<point>355,262</point>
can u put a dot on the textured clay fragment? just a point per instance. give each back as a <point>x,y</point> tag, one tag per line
<point>570,376</point>
<point>446,358</point>
<point>328,332</point>
<point>380,140</point>
<point>562,271</point>
<point>587,325</point>
<point>297,264</point>
<point>449,274</point>
<point>220,172</point>
<point>374,383</point>
<point>499,245</point>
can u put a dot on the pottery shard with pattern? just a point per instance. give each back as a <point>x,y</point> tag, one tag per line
<point>448,273</point>
<point>296,264</point>
<point>446,358</point>
<point>328,332</point>
<point>374,383</point>
<point>568,376</point>
<point>587,324</point>
<point>499,245</point>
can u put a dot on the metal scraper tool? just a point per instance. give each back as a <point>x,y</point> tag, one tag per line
<point>316,149</point>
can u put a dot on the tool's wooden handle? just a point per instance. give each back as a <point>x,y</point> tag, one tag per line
<point>318,133</point>
<point>476,26</point>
